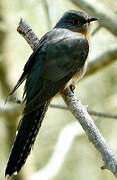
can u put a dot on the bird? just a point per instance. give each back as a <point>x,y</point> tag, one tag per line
<point>58,61</point>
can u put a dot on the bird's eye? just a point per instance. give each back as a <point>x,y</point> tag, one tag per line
<point>75,21</point>
<point>79,22</point>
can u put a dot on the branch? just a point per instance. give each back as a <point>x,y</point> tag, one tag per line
<point>15,106</point>
<point>108,19</point>
<point>10,107</point>
<point>95,137</point>
<point>108,156</point>
<point>25,30</point>
<point>46,10</point>
<point>106,58</point>
<point>61,150</point>
<point>91,112</point>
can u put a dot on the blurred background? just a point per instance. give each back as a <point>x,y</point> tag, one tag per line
<point>62,150</point>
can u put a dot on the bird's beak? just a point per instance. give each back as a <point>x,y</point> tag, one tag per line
<point>91,19</point>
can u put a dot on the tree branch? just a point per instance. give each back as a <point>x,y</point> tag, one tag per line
<point>15,106</point>
<point>26,31</point>
<point>108,156</point>
<point>106,58</point>
<point>94,136</point>
<point>91,112</point>
<point>55,162</point>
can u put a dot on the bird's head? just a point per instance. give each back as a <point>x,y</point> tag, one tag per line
<point>77,21</point>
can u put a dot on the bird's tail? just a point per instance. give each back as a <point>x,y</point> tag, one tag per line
<point>25,138</point>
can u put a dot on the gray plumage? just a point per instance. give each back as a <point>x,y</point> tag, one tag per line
<point>61,55</point>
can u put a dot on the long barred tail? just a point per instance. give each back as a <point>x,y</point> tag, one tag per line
<point>25,138</point>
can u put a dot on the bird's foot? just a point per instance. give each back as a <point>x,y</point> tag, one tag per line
<point>72,88</point>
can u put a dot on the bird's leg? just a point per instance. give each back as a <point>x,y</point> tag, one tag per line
<point>72,87</point>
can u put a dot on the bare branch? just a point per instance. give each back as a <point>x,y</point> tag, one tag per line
<point>46,10</point>
<point>102,61</point>
<point>54,164</point>
<point>25,30</point>
<point>15,105</point>
<point>9,107</point>
<point>96,30</point>
<point>108,156</point>
<point>106,16</point>
<point>94,136</point>
<point>91,112</point>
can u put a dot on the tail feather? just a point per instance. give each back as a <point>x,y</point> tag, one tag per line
<point>25,138</point>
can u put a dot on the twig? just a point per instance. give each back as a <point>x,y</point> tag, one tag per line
<point>91,112</point>
<point>108,156</point>
<point>94,136</point>
<point>102,61</point>
<point>54,164</point>
<point>46,10</point>
<point>102,114</point>
<point>96,30</point>
<point>25,30</point>
<point>9,107</point>
<point>15,105</point>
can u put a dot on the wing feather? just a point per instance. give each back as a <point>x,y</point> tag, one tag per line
<point>61,59</point>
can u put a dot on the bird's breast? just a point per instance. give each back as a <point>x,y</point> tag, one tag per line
<point>78,75</point>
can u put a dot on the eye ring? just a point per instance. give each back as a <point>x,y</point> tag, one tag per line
<point>75,21</point>
<point>80,22</point>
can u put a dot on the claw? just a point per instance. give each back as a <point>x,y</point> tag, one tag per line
<point>72,88</point>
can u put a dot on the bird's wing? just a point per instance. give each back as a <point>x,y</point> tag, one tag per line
<point>56,63</point>
<point>29,64</point>
<point>64,56</point>
<point>48,70</point>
